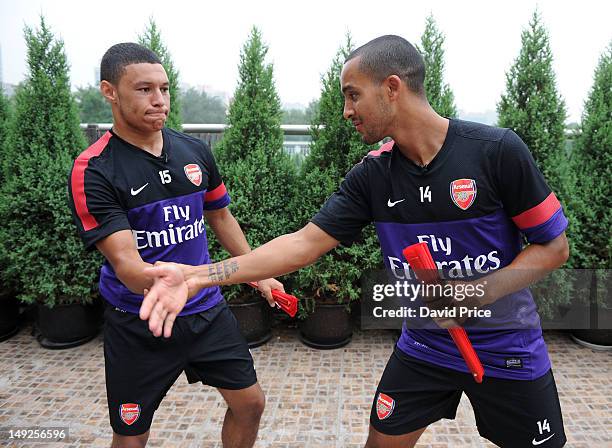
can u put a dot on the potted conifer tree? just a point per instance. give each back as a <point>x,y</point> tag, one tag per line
<point>259,175</point>
<point>592,162</point>
<point>332,284</point>
<point>42,253</point>
<point>9,306</point>
<point>533,108</point>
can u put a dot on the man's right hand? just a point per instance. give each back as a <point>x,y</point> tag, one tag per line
<point>166,298</point>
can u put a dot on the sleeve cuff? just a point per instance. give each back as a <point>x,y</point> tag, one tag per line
<point>548,230</point>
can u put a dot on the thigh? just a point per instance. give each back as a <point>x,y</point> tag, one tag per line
<point>514,413</point>
<point>219,355</point>
<point>140,369</point>
<point>411,395</point>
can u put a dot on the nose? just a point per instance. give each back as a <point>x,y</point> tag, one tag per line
<point>158,99</point>
<point>348,111</point>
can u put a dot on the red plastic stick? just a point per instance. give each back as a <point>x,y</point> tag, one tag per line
<point>421,261</point>
<point>286,302</point>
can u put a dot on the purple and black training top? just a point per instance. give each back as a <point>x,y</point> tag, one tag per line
<point>474,205</point>
<point>116,186</point>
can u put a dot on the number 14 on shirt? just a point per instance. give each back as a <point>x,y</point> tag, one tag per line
<point>425,193</point>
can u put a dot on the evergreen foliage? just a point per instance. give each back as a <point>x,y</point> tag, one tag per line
<point>46,261</point>
<point>593,163</point>
<point>439,94</point>
<point>5,111</point>
<point>532,107</point>
<point>336,147</point>
<point>199,107</point>
<point>93,107</point>
<point>4,119</point>
<point>151,38</point>
<point>259,175</point>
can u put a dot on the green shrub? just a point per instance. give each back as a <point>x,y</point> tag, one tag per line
<point>45,260</point>
<point>439,95</point>
<point>4,119</point>
<point>593,164</point>
<point>336,147</point>
<point>532,107</point>
<point>151,38</point>
<point>93,107</point>
<point>260,177</point>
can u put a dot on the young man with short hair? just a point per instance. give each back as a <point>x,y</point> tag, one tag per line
<point>142,194</point>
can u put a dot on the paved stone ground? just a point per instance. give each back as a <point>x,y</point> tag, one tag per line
<point>314,398</point>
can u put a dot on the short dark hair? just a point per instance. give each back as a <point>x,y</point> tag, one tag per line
<point>120,55</point>
<point>392,55</point>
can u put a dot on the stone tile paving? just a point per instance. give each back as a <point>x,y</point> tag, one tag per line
<point>314,398</point>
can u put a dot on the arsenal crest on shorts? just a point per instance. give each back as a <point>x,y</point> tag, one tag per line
<point>129,412</point>
<point>384,406</point>
<point>193,173</point>
<point>463,192</point>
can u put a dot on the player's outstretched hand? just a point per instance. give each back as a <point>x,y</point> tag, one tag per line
<point>166,298</point>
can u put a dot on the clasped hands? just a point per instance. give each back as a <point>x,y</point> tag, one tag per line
<point>173,284</point>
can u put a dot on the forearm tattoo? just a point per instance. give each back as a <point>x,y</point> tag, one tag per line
<point>222,271</point>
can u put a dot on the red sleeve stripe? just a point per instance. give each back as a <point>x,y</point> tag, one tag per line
<point>538,214</point>
<point>215,194</point>
<point>78,182</point>
<point>384,148</point>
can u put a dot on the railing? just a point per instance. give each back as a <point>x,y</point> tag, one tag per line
<point>211,133</point>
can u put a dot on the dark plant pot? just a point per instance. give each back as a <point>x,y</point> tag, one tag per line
<point>355,313</point>
<point>254,320</point>
<point>328,327</point>
<point>9,317</point>
<point>66,326</point>
<point>595,339</point>
<point>598,339</point>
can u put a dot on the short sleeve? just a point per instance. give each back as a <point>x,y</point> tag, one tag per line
<point>94,203</point>
<point>348,210</point>
<point>526,197</point>
<point>216,195</point>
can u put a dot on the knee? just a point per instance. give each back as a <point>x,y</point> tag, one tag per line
<point>251,408</point>
<point>257,405</point>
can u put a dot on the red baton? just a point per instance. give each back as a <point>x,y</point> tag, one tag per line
<point>421,261</point>
<point>286,302</point>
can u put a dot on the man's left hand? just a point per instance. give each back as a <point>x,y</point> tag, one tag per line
<point>266,287</point>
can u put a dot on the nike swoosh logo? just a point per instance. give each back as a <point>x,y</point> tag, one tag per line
<point>391,204</point>
<point>135,192</point>
<point>540,442</point>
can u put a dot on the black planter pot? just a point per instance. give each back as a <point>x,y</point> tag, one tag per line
<point>327,328</point>
<point>595,339</point>
<point>254,319</point>
<point>9,317</point>
<point>66,326</point>
<point>599,335</point>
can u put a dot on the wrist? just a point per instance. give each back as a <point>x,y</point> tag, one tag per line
<point>195,278</point>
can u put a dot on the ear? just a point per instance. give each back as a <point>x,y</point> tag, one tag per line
<point>393,84</point>
<point>108,91</point>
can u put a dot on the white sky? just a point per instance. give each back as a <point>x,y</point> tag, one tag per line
<point>205,38</point>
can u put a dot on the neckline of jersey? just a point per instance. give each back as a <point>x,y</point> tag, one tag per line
<point>131,147</point>
<point>438,159</point>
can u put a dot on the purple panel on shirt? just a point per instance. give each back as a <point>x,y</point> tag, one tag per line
<point>168,230</point>
<point>463,249</point>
